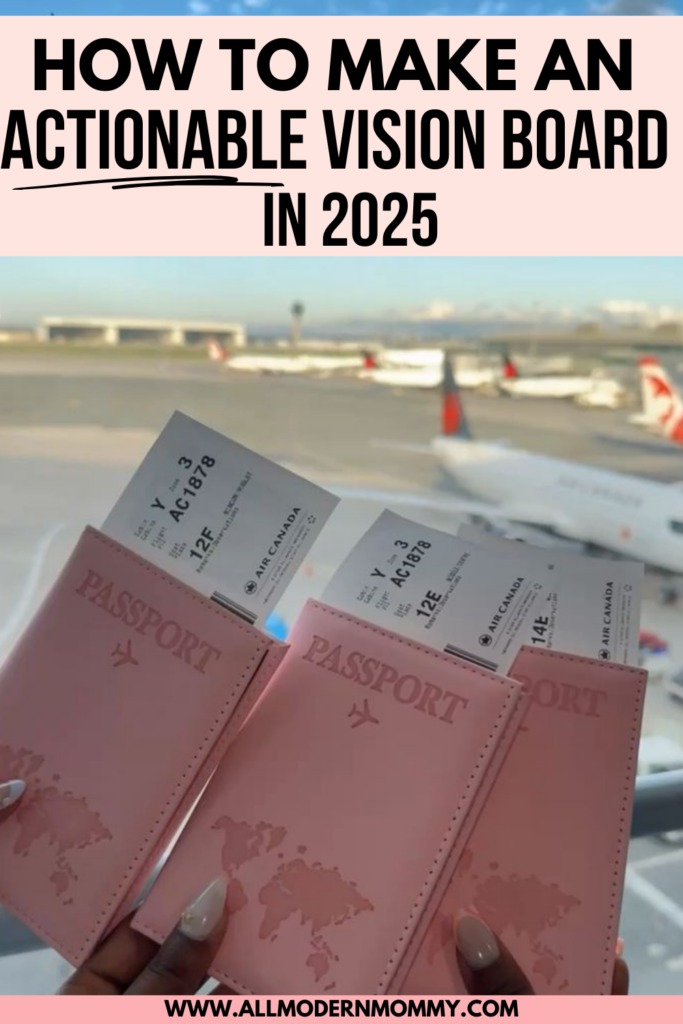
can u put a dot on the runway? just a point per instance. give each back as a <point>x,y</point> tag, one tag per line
<point>74,427</point>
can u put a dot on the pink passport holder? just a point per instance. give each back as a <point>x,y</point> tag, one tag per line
<point>115,706</point>
<point>544,865</point>
<point>339,810</point>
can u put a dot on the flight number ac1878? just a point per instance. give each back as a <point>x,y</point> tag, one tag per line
<point>400,572</point>
<point>182,502</point>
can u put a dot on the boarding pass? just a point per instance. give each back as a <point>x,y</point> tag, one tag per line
<point>462,598</point>
<point>232,524</point>
<point>592,606</point>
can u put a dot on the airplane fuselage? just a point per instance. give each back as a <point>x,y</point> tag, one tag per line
<point>293,364</point>
<point>403,377</point>
<point>550,387</point>
<point>477,377</point>
<point>635,517</point>
<point>411,358</point>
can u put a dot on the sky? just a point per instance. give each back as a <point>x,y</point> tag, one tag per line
<point>342,7</point>
<point>261,290</point>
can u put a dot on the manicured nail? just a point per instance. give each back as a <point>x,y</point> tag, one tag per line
<point>10,793</point>
<point>619,949</point>
<point>204,913</point>
<point>476,942</point>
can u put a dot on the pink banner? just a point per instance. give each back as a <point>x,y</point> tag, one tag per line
<point>410,160</point>
<point>544,1010</point>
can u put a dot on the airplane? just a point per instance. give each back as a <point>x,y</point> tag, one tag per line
<point>325,363</point>
<point>362,717</point>
<point>299,363</point>
<point>662,402</point>
<point>124,656</point>
<point>604,394</point>
<point>402,367</point>
<point>619,512</point>
<point>543,366</point>
<point>402,376</point>
<point>478,376</point>
<point>421,368</point>
<point>593,390</point>
<point>412,358</point>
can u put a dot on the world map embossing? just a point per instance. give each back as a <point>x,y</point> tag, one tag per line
<point>522,905</point>
<point>315,895</point>
<point>51,814</point>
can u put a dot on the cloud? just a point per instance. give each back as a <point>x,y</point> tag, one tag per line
<point>198,7</point>
<point>488,7</point>
<point>624,307</point>
<point>246,6</point>
<point>634,312</point>
<point>436,310</point>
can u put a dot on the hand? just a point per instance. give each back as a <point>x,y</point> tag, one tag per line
<point>128,963</point>
<point>488,968</point>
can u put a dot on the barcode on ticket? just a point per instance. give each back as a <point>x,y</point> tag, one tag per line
<point>232,606</point>
<point>466,656</point>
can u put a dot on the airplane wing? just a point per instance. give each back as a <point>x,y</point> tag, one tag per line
<point>403,446</point>
<point>422,449</point>
<point>430,500</point>
<point>436,501</point>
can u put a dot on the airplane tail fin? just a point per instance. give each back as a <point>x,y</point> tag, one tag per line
<point>510,371</point>
<point>453,419</point>
<point>662,401</point>
<point>214,350</point>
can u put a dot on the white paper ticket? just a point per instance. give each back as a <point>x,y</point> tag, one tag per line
<point>592,606</point>
<point>437,588</point>
<point>232,524</point>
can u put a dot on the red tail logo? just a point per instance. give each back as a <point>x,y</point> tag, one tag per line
<point>661,399</point>
<point>658,395</point>
<point>451,414</point>
<point>659,387</point>
<point>217,354</point>
<point>510,371</point>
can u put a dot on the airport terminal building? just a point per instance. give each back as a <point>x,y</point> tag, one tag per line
<point>131,330</point>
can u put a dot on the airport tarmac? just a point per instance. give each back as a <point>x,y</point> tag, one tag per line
<point>74,427</point>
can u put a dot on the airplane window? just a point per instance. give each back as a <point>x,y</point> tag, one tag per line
<point>344,387</point>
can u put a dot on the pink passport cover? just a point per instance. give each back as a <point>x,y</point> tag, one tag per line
<point>544,864</point>
<point>339,808</point>
<point>115,706</point>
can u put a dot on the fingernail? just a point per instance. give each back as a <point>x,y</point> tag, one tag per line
<point>10,793</point>
<point>476,942</point>
<point>619,949</point>
<point>204,913</point>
